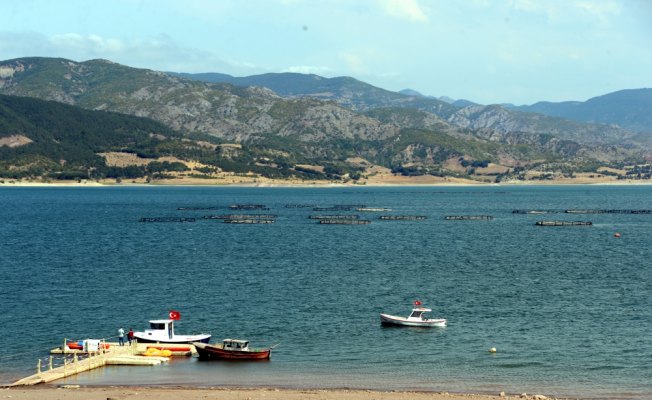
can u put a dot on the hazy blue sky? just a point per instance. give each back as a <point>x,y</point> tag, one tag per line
<point>488,51</point>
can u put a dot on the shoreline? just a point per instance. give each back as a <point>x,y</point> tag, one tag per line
<point>77,392</point>
<point>292,184</point>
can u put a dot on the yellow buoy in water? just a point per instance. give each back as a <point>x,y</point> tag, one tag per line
<point>492,350</point>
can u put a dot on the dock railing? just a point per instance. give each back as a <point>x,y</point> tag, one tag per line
<point>64,366</point>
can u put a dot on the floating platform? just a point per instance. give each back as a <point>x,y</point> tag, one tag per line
<point>113,354</point>
<point>336,208</point>
<point>563,223</point>
<point>136,360</point>
<point>197,208</point>
<point>344,221</point>
<point>536,211</point>
<point>341,216</point>
<point>373,209</point>
<point>299,205</point>
<point>402,217</point>
<point>469,217</point>
<point>241,216</point>
<point>166,219</point>
<point>601,211</point>
<point>249,221</point>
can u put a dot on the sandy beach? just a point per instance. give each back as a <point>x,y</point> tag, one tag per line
<point>179,393</point>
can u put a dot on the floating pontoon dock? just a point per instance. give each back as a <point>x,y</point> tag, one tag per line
<point>83,361</point>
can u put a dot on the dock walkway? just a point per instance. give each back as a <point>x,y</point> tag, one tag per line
<point>113,355</point>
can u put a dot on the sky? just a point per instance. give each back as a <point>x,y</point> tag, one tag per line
<point>486,51</point>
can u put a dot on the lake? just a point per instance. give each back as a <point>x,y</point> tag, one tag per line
<point>568,308</point>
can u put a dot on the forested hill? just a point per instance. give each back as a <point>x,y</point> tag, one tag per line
<point>44,136</point>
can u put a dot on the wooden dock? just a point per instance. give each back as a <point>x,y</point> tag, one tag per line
<point>86,361</point>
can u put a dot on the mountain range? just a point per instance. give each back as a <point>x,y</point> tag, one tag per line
<point>628,109</point>
<point>291,119</point>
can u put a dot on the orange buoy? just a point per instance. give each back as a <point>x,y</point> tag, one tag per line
<point>617,234</point>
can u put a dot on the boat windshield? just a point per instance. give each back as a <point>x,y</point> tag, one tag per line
<point>156,326</point>
<point>235,344</point>
<point>416,314</point>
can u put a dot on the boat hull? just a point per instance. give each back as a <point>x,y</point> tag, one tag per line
<point>174,340</point>
<point>391,320</point>
<point>208,352</point>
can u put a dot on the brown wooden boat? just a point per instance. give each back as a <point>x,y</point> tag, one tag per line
<point>231,349</point>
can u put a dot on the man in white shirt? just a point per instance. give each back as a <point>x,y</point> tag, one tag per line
<point>121,337</point>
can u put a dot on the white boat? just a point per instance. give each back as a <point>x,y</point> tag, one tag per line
<point>416,318</point>
<point>162,331</point>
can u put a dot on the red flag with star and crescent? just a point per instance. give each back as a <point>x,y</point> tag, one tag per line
<point>417,303</point>
<point>175,315</point>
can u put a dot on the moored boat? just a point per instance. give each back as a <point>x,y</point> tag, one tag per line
<point>416,318</point>
<point>231,349</point>
<point>162,331</point>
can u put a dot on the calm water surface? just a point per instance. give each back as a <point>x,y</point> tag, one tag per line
<point>568,308</point>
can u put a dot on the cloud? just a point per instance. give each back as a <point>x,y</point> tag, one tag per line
<point>603,9</point>
<point>569,10</point>
<point>309,69</point>
<point>354,63</point>
<point>405,9</point>
<point>94,43</point>
<point>157,52</point>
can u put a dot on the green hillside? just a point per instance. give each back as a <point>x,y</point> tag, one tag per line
<point>65,140</point>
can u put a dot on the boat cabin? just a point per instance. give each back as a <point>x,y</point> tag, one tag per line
<point>417,313</point>
<point>235,344</point>
<point>161,328</point>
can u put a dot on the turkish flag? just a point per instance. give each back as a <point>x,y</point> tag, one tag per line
<point>176,315</point>
<point>417,303</point>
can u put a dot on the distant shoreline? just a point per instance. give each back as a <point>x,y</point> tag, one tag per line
<point>318,184</point>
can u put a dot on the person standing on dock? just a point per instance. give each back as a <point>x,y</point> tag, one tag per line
<point>121,337</point>
<point>130,335</point>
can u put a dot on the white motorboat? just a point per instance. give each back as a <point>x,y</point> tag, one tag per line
<point>416,318</point>
<point>162,331</point>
